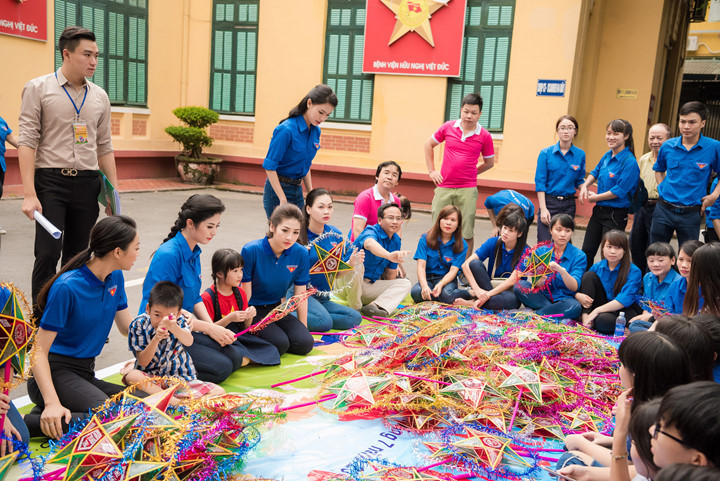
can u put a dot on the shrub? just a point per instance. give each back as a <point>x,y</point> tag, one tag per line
<point>193,137</point>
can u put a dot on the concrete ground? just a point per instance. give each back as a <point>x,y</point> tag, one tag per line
<point>155,212</point>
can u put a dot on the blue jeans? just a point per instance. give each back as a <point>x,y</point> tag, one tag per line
<point>664,223</point>
<point>504,300</point>
<point>16,419</point>
<point>639,326</point>
<point>293,193</point>
<point>570,308</point>
<point>324,314</point>
<point>448,294</point>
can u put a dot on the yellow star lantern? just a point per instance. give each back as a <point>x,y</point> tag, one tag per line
<point>330,263</point>
<point>413,16</point>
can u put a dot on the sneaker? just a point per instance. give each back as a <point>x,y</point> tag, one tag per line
<point>372,310</point>
<point>2,231</point>
<point>462,280</point>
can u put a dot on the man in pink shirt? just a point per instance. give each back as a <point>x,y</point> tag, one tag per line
<point>469,152</point>
<point>387,176</point>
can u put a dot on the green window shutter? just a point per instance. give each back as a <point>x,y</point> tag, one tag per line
<point>343,61</point>
<point>485,61</point>
<point>234,56</point>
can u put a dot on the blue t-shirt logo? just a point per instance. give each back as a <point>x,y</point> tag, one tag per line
<point>448,259</point>
<point>112,290</point>
<point>292,268</point>
<point>575,167</point>
<point>611,175</point>
<point>701,165</point>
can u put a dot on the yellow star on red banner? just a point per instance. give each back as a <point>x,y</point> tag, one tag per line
<point>413,16</point>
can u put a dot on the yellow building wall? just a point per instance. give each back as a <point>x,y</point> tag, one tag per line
<point>708,34</point>
<point>406,110</point>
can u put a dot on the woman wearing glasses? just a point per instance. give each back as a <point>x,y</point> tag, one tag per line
<point>560,171</point>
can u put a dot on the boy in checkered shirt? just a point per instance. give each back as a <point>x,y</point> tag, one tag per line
<point>158,338</point>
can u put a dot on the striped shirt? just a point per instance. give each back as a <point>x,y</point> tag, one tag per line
<point>170,359</point>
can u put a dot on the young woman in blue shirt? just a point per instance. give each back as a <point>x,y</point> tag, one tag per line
<point>440,254</point>
<point>610,286</point>
<point>503,254</point>
<point>272,265</point>
<point>679,287</point>
<point>703,285</point>
<point>178,260</point>
<point>293,146</point>
<point>569,266</point>
<point>617,175</point>
<point>324,314</point>
<point>80,304</point>
<point>560,171</point>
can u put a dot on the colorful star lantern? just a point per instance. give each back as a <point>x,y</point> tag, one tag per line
<point>15,334</point>
<point>536,268</point>
<point>523,377</point>
<point>279,312</point>
<point>330,263</point>
<point>582,420</point>
<point>6,463</point>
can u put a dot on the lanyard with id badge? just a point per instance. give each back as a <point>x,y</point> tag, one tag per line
<point>80,130</point>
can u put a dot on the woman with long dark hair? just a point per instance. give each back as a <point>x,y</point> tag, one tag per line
<point>610,286</point>
<point>178,260</point>
<point>80,304</point>
<point>295,141</point>
<point>617,175</point>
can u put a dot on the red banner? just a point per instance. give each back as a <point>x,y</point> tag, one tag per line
<point>27,18</point>
<point>414,37</point>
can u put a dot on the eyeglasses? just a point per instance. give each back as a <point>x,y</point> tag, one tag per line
<point>393,218</point>
<point>657,430</point>
<point>566,129</point>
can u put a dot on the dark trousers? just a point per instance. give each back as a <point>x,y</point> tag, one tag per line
<point>71,204</point>
<point>76,386</point>
<point>213,362</point>
<point>2,182</point>
<point>640,235</point>
<point>499,302</point>
<point>604,323</point>
<point>554,206</point>
<point>710,235</point>
<point>686,225</point>
<point>287,335</point>
<point>603,219</point>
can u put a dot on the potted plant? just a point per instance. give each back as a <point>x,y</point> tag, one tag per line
<point>192,166</point>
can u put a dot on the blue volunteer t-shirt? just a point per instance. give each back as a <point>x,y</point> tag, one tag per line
<point>328,243</point>
<point>618,174</point>
<point>502,198</point>
<point>687,171</point>
<point>629,290</point>
<point>487,251</point>
<point>4,132</point>
<point>175,262</point>
<point>375,266</point>
<point>292,148</point>
<point>271,276</point>
<point>712,212</point>
<point>439,261</point>
<point>557,174</point>
<point>81,309</point>
<point>659,291</point>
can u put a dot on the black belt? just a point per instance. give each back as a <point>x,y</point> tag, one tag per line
<point>651,202</point>
<point>562,197</point>
<point>288,180</point>
<point>680,209</point>
<point>71,172</point>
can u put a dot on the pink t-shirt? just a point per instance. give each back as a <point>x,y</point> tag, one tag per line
<point>366,207</point>
<point>459,167</point>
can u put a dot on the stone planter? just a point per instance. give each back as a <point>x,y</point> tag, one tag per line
<point>197,171</point>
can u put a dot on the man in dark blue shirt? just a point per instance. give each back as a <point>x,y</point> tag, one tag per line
<point>683,169</point>
<point>380,289</point>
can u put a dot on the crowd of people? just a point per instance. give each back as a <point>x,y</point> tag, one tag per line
<point>198,333</point>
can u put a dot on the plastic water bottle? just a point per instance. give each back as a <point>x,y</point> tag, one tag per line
<point>620,325</point>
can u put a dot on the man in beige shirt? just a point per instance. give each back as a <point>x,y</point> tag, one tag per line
<point>640,233</point>
<point>64,140</point>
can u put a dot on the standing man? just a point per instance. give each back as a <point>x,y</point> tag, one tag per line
<point>466,142</point>
<point>64,140</point>
<point>640,233</point>
<point>682,170</point>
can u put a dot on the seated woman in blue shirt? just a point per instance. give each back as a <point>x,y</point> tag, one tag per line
<point>272,265</point>
<point>610,286</point>
<point>617,175</point>
<point>177,260</point>
<point>503,253</point>
<point>439,255</point>
<point>703,285</point>
<point>678,289</point>
<point>569,266</point>
<point>80,304</point>
<point>324,314</point>
<point>293,146</point>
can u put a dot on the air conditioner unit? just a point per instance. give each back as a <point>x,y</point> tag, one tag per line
<point>692,43</point>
